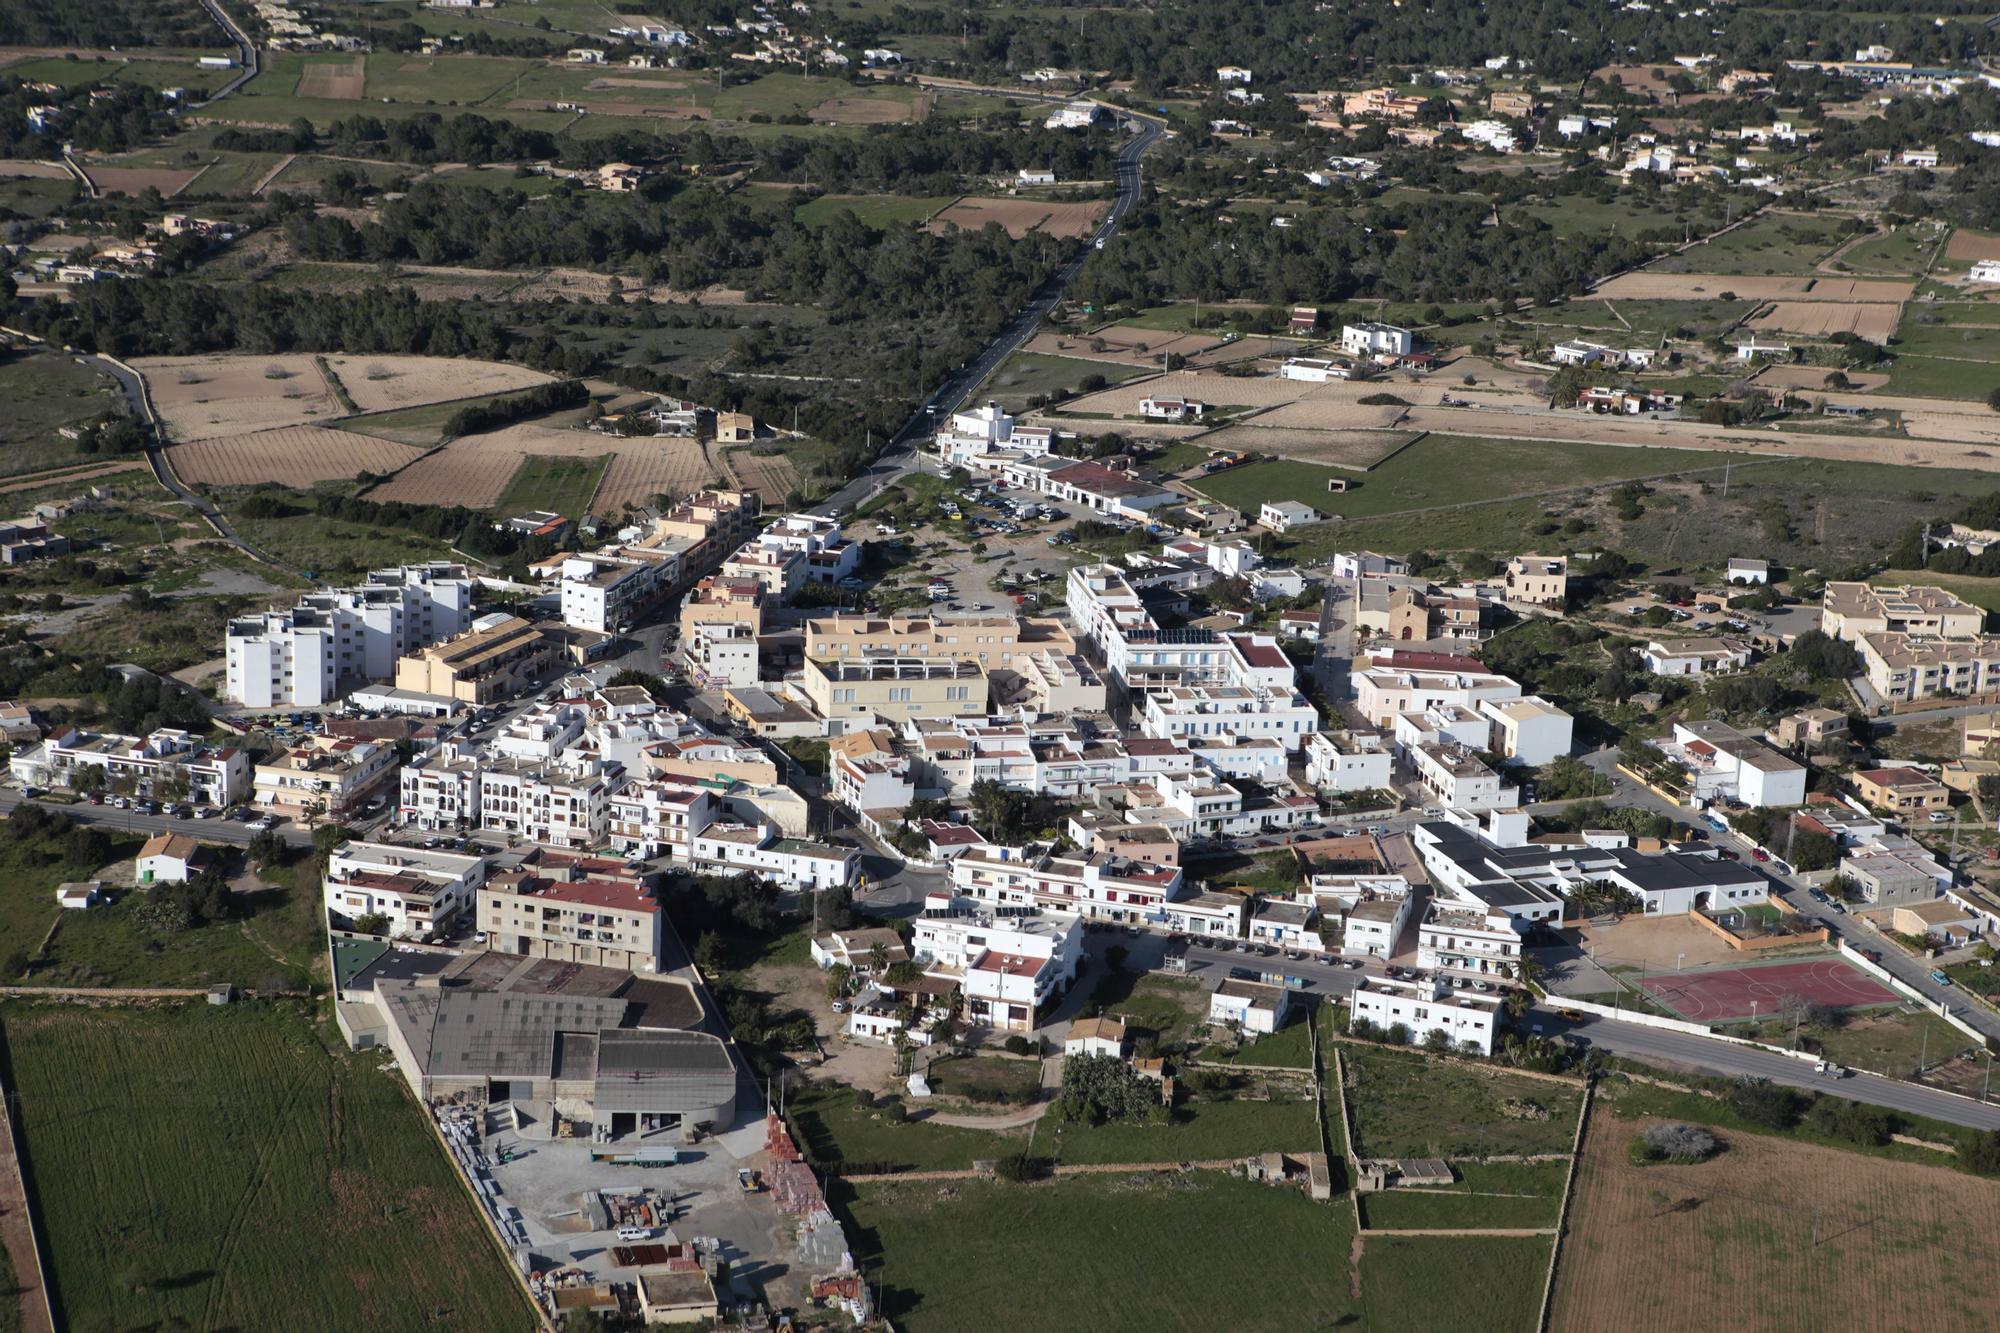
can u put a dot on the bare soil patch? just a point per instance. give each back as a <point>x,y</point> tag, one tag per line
<point>1021,216</point>
<point>199,397</point>
<point>1814,377</point>
<point>378,383</point>
<point>475,470</point>
<point>136,180</point>
<point>861,111</point>
<point>1123,344</point>
<point>46,171</point>
<point>340,82</point>
<point>1769,1237</point>
<point>1972,246</point>
<point>1335,448</point>
<point>1874,322</point>
<point>289,455</point>
<point>772,476</point>
<point>1649,286</point>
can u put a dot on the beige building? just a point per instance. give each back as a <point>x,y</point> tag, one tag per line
<point>720,600</point>
<point>495,661</point>
<point>1810,729</point>
<point>1901,790</point>
<point>1976,734</point>
<point>329,778</point>
<point>1422,616</point>
<point>990,640</point>
<point>895,689</point>
<point>1541,580</point>
<point>1852,610</point>
<point>1905,667</point>
<point>576,910</point>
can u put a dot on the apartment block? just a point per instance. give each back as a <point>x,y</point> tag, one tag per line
<point>337,639</point>
<point>1852,611</point>
<point>500,657</point>
<point>1420,1008</point>
<point>73,758</point>
<point>575,909</point>
<point>894,689</point>
<point>327,778</point>
<point>418,890</point>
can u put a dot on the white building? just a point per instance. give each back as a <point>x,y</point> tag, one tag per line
<point>418,890</point>
<point>1075,116</point>
<point>793,863</point>
<point>1722,762</point>
<point>1423,1007</point>
<point>551,802</point>
<point>1372,339</point>
<point>1454,937</point>
<point>1010,970</point>
<point>1985,270</point>
<point>1188,712</point>
<point>1097,886</point>
<point>1694,657</point>
<point>75,759</point>
<point>1284,515</point>
<point>1249,1006</point>
<point>337,639</point>
<point>1740,570</point>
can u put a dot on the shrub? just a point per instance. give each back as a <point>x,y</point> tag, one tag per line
<point>1675,1142</point>
<point>1019,1167</point>
<point>1768,1104</point>
<point>1017,1045</point>
<point>1382,400</point>
<point>1838,1118</point>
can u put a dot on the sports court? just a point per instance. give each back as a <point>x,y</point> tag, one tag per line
<point>1726,994</point>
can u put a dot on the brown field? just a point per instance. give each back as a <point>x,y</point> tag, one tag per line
<point>340,82</point>
<point>1021,216</point>
<point>289,455</point>
<point>862,111</point>
<point>135,180</point>
<point>474,471</point>
<point>203,396</point>
<point>1336,448</point>
<point>1819,318</point>
<point>1972,245</point>
<point>379,383</point>
<point>1123,344</point>
<point>772,476</point>
<point>47,171</point>
<point>663,81</point>
<point>1649,80</point>
<point>1771,1237</point>
<point>1645,286</point>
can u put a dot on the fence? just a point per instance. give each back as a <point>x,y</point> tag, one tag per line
<point>1942,1008</point>
<point>1673,1025</point>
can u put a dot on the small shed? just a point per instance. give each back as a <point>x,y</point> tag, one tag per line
<point>79,895</point>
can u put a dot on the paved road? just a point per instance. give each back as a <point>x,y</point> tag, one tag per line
<point>246,51</point>
<point>127,821</point>
<point>900,455</point>
<point>1705,1055</point>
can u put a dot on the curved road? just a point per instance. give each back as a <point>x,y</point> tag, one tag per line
<point>899,456</point>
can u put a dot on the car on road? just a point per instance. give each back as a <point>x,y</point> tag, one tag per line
<point>1939,977</point>
<point>1760,854</point>
<point>264,825</point>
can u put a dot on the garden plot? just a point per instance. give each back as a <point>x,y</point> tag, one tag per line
<point>1021,216</point>
<point>1818,319</point>
<point>199,397</point>
<point>287,455</point>
<point>381,383</point>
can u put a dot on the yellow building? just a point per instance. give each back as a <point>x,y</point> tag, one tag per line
<point>895,689</point>
<point>483,665</point>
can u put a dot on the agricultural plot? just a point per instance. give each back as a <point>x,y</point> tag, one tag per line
<point>137,180</point>
<point>199,397</point>
<point>299,456</point>
<point>773,476</point>
<point>477,470</point>
<point>1492,1283</point>
<point>342,80</point>
<point>1030,375</point>
<point>867,111</point>
<point>1106,1251</point>
<point>1661,285</point>
<point>1021,216</point>
<point>1969,246</point>
<point>558,485</point>
<point>1352,449</point>
<point>267,1160</point>
<point>1771,1236</point>
<point>1125,344</point>
<point>1904,251</point>
<point>1820,319</point>
<point>1486,1194</point>
<point>383,383</point>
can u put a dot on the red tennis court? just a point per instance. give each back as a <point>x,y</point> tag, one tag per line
<point>1723,994</point>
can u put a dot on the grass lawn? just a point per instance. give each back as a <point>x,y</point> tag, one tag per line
<point>559,485</point>
<point>1490,1194</point>
<point>837,1135</point>
<point>1195,1252</point>
<point>1905,252</point>
<point>1890,1043</point>
<point>874,210</point>
<point>190,1162</point>
<point>44,393</point>
<point>37,196</point>
<point>1443,470</point>
<point>986,1078</point>
<point>1493,1283</point>
<point>1405,1105</point>
<point>1971,342</point>
<point>1174,1011</point>
<point>1027,375</point>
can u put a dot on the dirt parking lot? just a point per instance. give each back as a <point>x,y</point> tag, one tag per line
<point>1656,942</point>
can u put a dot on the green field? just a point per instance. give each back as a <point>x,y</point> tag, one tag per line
<point>37,196</point>
<point>1493,1284</point>
<point>559,485</point>
<point>1776,243</point>
<point>1198,1131</point>
<point>1903,253</point>
<point>1943,377</point>
<point>196,1167</point>
<point>873,210</point>
<point>1195,1252</point>
<point>331,547</point>
<point>1406,1105</point>
<point>1488,1194</point>
<point>1026,375</point>
<point>836,1134</point>
<point>1444,470</point>
<point>44,393</point>
<point>187,74</point>
<point>1965,342</point>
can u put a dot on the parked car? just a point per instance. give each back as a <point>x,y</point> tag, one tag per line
<point>1939,816</point>
<point>1760,854</point>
